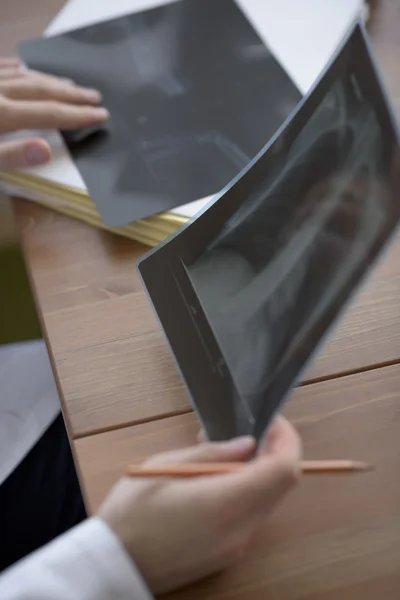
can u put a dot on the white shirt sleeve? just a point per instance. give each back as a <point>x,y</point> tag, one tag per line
<point>87,563</point>
<point>28,404</point>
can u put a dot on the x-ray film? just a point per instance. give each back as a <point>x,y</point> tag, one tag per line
<point>247,290</point>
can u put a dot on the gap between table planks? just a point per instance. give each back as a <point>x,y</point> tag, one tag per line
<point>111,359</point>
<point>319,544</point>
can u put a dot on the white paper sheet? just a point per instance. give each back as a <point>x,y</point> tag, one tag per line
<point>301,34</point>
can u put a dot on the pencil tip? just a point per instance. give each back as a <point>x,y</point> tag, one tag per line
<point>363,466</point>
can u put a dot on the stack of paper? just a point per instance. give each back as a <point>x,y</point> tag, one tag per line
<point>301,35</point>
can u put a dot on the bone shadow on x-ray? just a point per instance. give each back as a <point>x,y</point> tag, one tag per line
<point>168,76</point>
<point>175,161</point>
<point>283,259</point>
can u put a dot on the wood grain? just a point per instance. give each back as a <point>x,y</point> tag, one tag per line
<point>132,383</point>
<point>336,419</point>
<point>21,20</point>
<point>110,356</point>
<point>334,537</point>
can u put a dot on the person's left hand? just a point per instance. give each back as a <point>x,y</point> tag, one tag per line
<point>32,100</point>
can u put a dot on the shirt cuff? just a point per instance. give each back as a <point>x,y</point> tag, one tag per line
<point>95,541</point>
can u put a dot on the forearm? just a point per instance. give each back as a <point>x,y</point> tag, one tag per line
<point>87,563</point>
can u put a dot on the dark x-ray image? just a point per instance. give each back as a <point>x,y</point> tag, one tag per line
<point>280,262</point>
<point>193,94</point>
<point>247,291</point>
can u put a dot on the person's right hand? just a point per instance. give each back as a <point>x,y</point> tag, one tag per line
<point>178,531</point>
<point>32,100</point>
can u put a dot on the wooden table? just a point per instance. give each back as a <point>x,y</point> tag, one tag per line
<point>334,538</point>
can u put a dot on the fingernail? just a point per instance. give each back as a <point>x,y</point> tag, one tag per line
<point>245,442</point>
<point>92,95</point>
<point>36,155</point>
<point>100,113</point>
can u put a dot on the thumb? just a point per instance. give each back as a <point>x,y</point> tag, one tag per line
<point>238,449</point>
<point>23,153</point>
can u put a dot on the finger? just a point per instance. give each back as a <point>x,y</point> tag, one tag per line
<point>268,477</point>
<point>201,437</point>
<point>280,434</point>
<point>31,74</point>
<point>23,153</point>
<point>18,72</point>
<point>41,87</point>
<point>264,481</point>
<point>238,449</point>
<point>48,115</point>
<point>10,73</point>
<point>8,62</point>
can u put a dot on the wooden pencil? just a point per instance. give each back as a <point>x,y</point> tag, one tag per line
<point>311,467</point>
